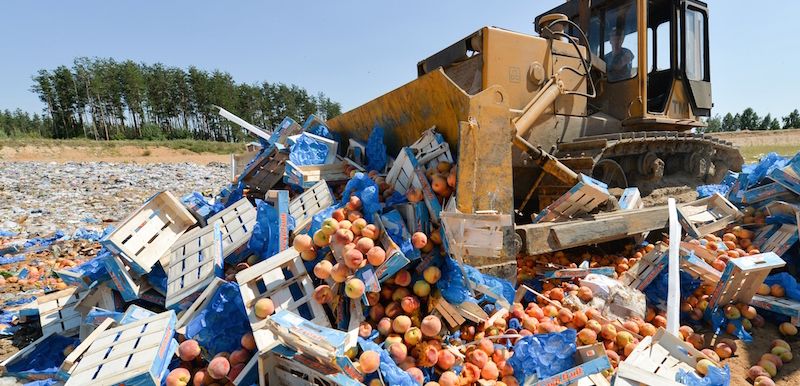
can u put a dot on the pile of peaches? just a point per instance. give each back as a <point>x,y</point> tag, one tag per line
<point>527,265</point>
<point>441,178</point>
<point>220,371</point>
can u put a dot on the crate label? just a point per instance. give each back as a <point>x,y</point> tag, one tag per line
<point>431,259</point>
<point>594,366</point>
<point>763,192</point>
<point>371,284</point>
<point>787,179</point>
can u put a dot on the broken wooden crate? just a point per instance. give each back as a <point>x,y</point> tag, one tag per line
<point>134,354</point>
<point>694,261</point>
<point>657,360</point>
<point>265,172</point>
<point>146,234</point>
<point>707,215</point>
<point>479,234</point>
<point>236,224</point>
<point>129,285</point>
<point>741,279</point>
<point>67,367</point>
<point>195,261</point>
<point>321,344</point>
<point>583,198</point>
<point>431,148</point>
<point>456,314</point>
<point>279,370</point>
<point>395,259</point>
<point>283,279</point>
<point>57,312</point>
<point>303,207</point>
<point>407,173</point>
<point>645,270</point>
<point>307,176</point>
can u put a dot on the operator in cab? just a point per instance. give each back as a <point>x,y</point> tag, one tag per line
<point>618,61</point>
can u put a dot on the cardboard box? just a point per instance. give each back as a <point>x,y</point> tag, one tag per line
<point>631,199</point>
<point>762,193</point>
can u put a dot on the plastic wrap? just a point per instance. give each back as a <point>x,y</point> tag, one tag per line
<point>376,150</point>
<point>220,326</point>
<point>454,289</point>
<point>366,189</point>
<point>709,190</point>
<point>545,354</point>
<point>236,194</point>
<point>45,359</point>
<point>93,269</point>
<point>320,130</point>
<point>308,151</point>
<point>264,240</point>
<point>392,375</point>
<point>158,277</point>
<point>44,241</point>
<point>767,164</point>
<point>715,377</point>
<point>787,281</point>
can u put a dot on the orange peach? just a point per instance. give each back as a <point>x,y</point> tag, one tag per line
<point>431,325</point>
<point>402,278</point>
<point>777,290</point>
<point>248,341</point>
<point>219,367</point>
<point>376,256</point>
<point>398,352</point>
<point>787,329</point>
<point>587,336</point>
<point>264,307</point>
<point>189,350</point>
<point>302,243</point>
<point>354,288</point>
<point>322,270</point>
<point>178,377</point>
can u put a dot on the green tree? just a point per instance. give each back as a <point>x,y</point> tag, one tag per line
<point>792,120</point>
<point>748,120</point>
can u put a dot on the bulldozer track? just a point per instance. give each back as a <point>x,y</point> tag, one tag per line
<point>649,155</point>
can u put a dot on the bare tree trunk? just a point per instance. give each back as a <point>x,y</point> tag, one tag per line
<point>103,115</point>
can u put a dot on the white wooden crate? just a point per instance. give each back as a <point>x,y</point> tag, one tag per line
<point>70,362</point>
<point>236,224</point>
<point>656,361</point>
<point>264,173</point>
<point>307,176</point>
<point>195,261</point>
<point>306,205</point>
<point>783,306</point>
<point>198,305</point>
<point>479,234</point>
<point>406,173</point>
<point>277,370</point>
<point>646,269</point>
<point>584,197</point>
<point>707,215</point>
<point>431,148</point>
<point>144,236</point>
<point>57,312</point>
<point>267,279</point>
<point>133,353</point>
<point>100,297</point>
<point>781,240</point>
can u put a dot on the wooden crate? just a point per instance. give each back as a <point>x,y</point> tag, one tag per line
<point>277,370</point>
<point>783,306</point>
<point>583,198</point>
<point>707,215</point>
<point>57,312</point>
<point>657,361</point>
<point>741,279</point>
<point>129,285</point>
<point>198,305</point>
<point>643,271</point>
<point>631,199</point>
<point>136,353</point>
<point>356,151</point>
<point>431,148</point>
<point>144,236</point>
<point>240,162</point>
<point>265,172</point>
<point>781,240</point>
<point>67,367</point>
<point>287,127</point>
<point>303,207</point>
<point>236,224</point>
<point>309,175</point>
<point>196,260</point>
<point>22,356</point>
<point>407,173</point>
<point>693,261</point>
<point>479,234</point>
<point>100,297</point>
<point>274,278</point>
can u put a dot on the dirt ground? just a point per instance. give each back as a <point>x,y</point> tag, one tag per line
<point>156,154</point>
<point>761,138</point>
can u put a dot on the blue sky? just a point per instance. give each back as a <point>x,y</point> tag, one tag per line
<point>353,51</point>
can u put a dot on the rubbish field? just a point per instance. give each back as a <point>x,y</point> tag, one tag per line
<point>332,262</point>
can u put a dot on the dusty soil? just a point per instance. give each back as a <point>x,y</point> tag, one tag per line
<point>761,138</point>
<point>135,154</point>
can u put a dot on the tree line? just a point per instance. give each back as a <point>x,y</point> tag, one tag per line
<point>749,120</point>
<point>103,99</point>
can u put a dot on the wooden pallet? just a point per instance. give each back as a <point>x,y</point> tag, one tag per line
<point>407,173</point>
<point>431,148</point>
<point>236,224</point>
<point>309,175</point>
<point>741,279</point>
<point>643,271</point>
<point>264,173</point>
<point>657,359</point>
<point>783,306</point>
<point>583,198</point>
<point>144,236</point>
<point>57,312</point>
<point>303,207</point>
<point>134,353</point>
<point>270,279</point>
<point>707,215</point>
<point>196,260</point>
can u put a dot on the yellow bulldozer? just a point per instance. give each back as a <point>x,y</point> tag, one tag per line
<point>610,89</point>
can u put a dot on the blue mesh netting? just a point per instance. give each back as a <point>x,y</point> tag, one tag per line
<point>45,358</point>
<point>709,190</point>
<point>715,377</point>
<point>264,240</point>
<point>376,150</point>
<point>767,164</point>
<point>220,326</point>
<point>392,375</point>
<point>308,151</point>
<point>546,354</point>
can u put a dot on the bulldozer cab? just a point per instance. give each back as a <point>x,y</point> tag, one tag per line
<point>655,54</point>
